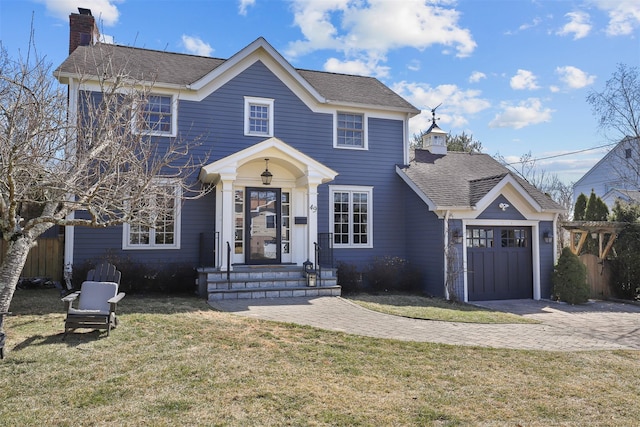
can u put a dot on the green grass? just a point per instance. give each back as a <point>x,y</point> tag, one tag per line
<point>419,307</point>
<point>173,361</point>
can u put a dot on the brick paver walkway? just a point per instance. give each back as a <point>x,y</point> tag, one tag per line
<point>594,326</point>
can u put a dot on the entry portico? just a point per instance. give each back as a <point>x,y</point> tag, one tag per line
<point>275,223</point>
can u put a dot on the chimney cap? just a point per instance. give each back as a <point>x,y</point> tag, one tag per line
<point>83,11</point>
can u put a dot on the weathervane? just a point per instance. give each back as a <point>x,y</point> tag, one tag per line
<point>433,113</point>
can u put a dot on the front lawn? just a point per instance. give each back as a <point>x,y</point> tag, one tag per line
<point>173,361</point>
<point>419,307</point>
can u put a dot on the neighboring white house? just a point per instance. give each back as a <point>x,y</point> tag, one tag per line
<point>615,176</point>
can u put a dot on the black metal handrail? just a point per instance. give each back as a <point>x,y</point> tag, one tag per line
<point>325,256</point>
<point>318,250</point>
<point>228,265</point>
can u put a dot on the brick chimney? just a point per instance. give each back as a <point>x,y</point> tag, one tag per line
<point>83,30</point>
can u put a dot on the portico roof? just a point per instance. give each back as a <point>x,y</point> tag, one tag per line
<point>305,169</point>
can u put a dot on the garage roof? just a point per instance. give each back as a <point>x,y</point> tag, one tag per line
<point>460,180</point>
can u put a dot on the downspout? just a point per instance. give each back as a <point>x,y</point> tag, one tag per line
<point>69,230</point>
<point>405,145</point>
<point>555,238</point>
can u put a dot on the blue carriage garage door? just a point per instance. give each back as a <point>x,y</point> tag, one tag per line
<point>499,263</point>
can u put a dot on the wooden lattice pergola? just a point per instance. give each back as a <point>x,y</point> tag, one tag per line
<point>604,231</point>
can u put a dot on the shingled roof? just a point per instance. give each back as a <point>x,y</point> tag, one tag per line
<point>460,180</point>
<point>177,69</point>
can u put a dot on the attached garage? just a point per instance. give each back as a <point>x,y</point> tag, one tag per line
<point>499,263</point>
<point>498,231</point>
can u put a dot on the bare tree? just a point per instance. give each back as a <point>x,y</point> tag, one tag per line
<point>91,168</point>
<point>550,184</point>
<point>617,109</point>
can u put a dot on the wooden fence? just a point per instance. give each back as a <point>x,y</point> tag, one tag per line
<point>598,276</point>
<point>46,259</point>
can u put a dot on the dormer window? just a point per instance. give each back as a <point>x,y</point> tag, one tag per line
<point>258,116</point>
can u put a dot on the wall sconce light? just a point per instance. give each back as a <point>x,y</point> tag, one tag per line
<point>594,235</point>
<point>266,175</point>
<point>548,238</point>
<point>457,236</point>
<point>503,206</point>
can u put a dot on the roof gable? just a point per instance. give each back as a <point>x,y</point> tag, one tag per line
<point>195,77</point>
<point>468,181</point>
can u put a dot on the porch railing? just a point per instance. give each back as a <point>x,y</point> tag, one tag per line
<point>324,250</point>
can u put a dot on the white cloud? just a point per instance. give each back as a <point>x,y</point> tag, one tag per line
<point>526,113</point>
<point>476,76</point>
<point>624,15</point>
<point>575,78</point>
<point>457,104</point>
<point>244,5</point>
<point>414,65</point>
<point>524,79</point>
<point>357,67</point>
<point>532,24</point>
<point>578,25</point>
<point>196,45</point>
<point>372,28</point>
<point>105,11</point>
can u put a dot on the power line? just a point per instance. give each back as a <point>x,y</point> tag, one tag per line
<point>561,155</point>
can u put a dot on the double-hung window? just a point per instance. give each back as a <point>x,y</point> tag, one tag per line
<point>351,216</point>
<point>258,116</point>
<point>157,225</point>
<point>350,130</point>
<point>157,115</point>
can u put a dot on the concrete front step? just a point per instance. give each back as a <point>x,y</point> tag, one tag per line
<point>280,281</point>
<point>241,284</point>
<point>275,293</point>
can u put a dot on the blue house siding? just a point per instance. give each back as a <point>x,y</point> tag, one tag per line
<point>546,259</point>
<point>217,122</point>
<point>495,212</point>
<point>424,237</point>
<point>197,217</point>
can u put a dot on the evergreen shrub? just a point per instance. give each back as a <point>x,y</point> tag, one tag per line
<point>570,279</point>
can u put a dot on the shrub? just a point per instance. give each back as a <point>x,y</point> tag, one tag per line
<point>625,277</point>
<point>570,279</point>
<point>392,274</point>
<point>139,278</point>
<point>349,278</point>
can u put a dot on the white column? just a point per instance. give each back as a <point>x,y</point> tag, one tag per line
<point>227,227</point>
<point>312,220</point>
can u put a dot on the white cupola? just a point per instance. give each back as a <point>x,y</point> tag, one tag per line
<point>435,139</point>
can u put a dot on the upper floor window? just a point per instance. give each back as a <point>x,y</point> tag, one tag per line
<point>157,115</point>
<point>258,116</point>
<point>159,220</point>
<point>351,220</point>
<point>627,153</point>
<point>350,130</point>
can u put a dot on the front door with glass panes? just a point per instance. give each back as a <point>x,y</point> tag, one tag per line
<point>262,225</point>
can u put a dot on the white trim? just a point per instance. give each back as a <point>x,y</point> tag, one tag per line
<point>174,117</point>
<point>351,189</point>
<point>268,102</point>
<point>304,168</point>
<point>365,132</point>
<point>177,225</point>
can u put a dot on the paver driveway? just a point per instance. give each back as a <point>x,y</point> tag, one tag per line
<point>594,326</point>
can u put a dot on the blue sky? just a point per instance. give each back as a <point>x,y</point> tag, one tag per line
<point>514,74</point>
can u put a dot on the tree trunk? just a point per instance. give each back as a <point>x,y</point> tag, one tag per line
<point>11,268</point>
